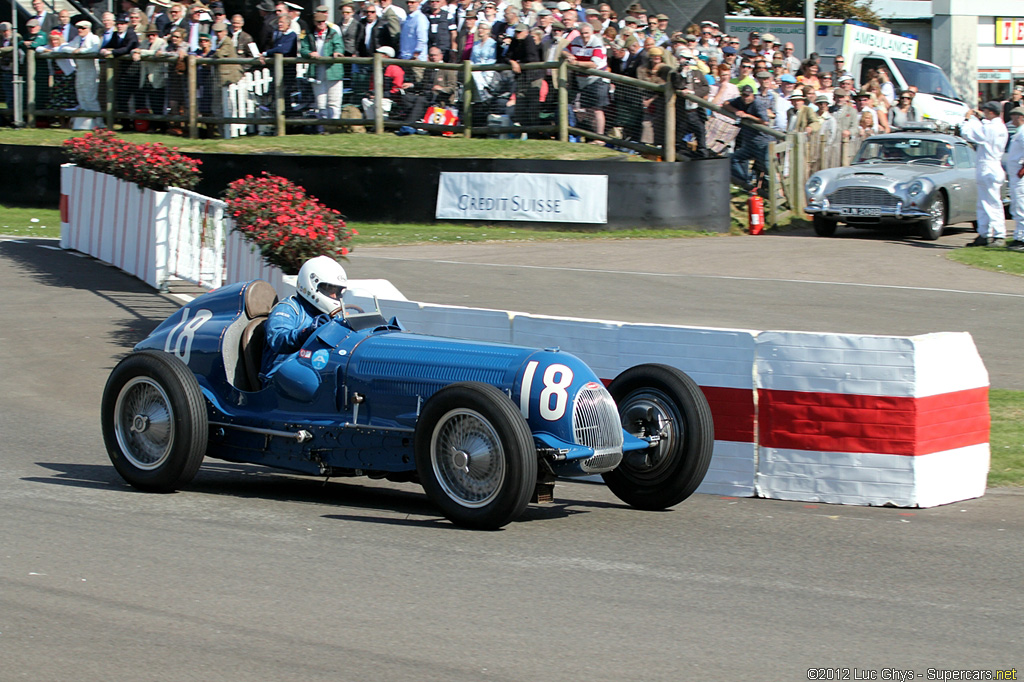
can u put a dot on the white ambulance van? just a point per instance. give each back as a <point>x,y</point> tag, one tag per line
<point>866,48</point>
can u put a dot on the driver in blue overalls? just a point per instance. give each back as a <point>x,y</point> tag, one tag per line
<point>319,287</point>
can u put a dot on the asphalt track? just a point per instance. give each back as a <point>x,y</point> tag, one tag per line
<point>252,575</point>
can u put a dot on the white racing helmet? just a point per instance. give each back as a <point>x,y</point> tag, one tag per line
<point>321,281</point>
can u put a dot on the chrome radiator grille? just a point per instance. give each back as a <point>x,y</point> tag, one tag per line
<point>596,424</point>
<point>862,196</point>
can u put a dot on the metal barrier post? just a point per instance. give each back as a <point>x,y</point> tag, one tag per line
<point>669,150</point>
<point>193,100</point>
<point>279,126</point>
<point>30,88</point>
<point>467,98</point>
<point>378,93</point>
<point>563,101</point>
<point>108,105</point>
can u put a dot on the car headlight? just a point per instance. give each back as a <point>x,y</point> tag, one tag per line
<point>813,185</point>
<point>915,188</point>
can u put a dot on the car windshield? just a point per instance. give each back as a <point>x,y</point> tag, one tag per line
<point>906,150</point>
<point>361,309</point>
<point>926,78</point>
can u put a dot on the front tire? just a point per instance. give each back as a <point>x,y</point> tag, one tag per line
<point>823,227</point>
<point>154,421</point>
<point>662,400</point>
<point>933,228</point>
<point>475,455</point>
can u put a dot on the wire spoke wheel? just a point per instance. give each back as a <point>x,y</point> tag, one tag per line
<point>475,455</point>
<point>143,418</point>
<point>468,458</point>
<point>154,421</point>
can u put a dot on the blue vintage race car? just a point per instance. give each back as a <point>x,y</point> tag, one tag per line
<point>485,428</point>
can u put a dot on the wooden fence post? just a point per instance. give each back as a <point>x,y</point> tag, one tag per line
<point>467,98</point>
<point>279,94</point>
<point>668,152</point>
<point>773,185</point>
<point>193,98</point>
<point>798,174</point>
<point>378,93</point>
<point>563,101</point>
<point>30,88</point>
<point>108,106</point>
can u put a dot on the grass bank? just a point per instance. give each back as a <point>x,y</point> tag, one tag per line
<point>45,223</point>
<point>990,258</point>
<point>354,144</point>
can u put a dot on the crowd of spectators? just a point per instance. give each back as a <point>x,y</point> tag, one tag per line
<point>755,77</point>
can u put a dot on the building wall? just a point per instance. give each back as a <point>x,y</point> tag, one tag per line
<point>955,50</point>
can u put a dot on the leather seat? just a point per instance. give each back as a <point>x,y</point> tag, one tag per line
<point>260,299</point>
<point>254,338</point>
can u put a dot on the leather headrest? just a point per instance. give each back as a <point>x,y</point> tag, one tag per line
<point>260,297</point>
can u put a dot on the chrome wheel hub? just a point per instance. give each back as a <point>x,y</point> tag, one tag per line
<point>144,423</point>
<point>467,458</point>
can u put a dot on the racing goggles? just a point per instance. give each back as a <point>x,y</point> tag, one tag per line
<point>332,290</point>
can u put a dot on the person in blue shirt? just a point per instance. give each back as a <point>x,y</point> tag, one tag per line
<point>319,287</point>
<point>412,43</point>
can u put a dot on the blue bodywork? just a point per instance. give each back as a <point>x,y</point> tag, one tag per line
<point>349,403</point>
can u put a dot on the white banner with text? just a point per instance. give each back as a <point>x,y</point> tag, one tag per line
<point>533,197</point>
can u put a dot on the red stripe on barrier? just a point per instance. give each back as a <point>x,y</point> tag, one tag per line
<point>64,208</point>
<point>733,412</point>
<point>838,422</point>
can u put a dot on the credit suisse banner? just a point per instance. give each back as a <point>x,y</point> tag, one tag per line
<point>533,197</point>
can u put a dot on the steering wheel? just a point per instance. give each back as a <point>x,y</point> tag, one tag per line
<point>352,307</point>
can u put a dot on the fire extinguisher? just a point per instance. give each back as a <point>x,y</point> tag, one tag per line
<point>755,210</point>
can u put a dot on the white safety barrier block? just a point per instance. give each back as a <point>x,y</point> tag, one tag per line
<point>871,420</point>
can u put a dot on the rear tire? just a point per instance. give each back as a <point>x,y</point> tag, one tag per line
<point>823,227</point>
<point>475,455</point>
<point>154,421</point>
<point>681,417</point>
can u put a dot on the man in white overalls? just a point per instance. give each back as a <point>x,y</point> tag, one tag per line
<point>987,131</point>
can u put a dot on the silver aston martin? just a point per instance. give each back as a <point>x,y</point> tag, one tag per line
<point>922,178</point>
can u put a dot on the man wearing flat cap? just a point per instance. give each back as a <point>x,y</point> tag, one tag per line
<point>1015,173</point>
<point>985,128</point>
<point>123,40</point>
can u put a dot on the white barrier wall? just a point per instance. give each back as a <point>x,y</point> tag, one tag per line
<point>152,235</point>
<point>842,418</point>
